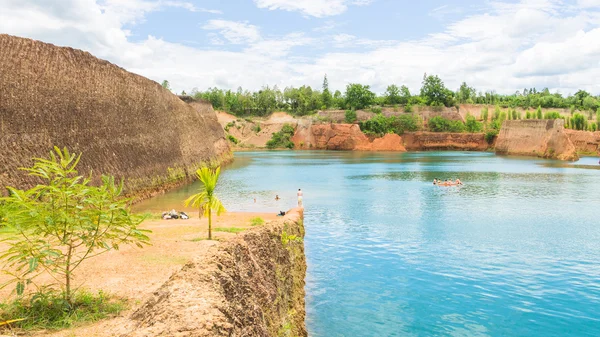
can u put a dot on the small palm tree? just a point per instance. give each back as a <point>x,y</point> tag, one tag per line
<point>206,201</point>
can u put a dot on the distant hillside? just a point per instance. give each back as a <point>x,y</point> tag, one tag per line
<point>124,124</point>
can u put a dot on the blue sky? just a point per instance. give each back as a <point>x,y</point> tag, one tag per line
<point>492,45</point>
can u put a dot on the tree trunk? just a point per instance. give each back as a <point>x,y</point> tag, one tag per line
<point>68,275</point>
<point>210,224</point>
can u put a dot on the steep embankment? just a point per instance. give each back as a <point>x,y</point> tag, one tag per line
<point>543,138</point>
<point>584,141</point>
<point>424,141</point>
<point>124,124</point>
<point>252,285</point>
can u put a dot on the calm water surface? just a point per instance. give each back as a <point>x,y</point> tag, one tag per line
<point>513,252</point>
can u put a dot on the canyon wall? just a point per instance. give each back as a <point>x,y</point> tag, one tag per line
<point>252,285</point>
<point>543,138</point>
<point>424,141</point>
<point>585,141</point>
<point>124,124</point>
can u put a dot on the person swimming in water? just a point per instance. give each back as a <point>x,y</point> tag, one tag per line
<point>435,181</point>
<point>458,182</point>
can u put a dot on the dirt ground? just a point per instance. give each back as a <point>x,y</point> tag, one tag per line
<point>133,273</point>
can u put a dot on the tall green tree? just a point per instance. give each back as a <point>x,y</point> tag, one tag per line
<point>359,96</point>
<point>392,95</point>
<point>64,221</point>
<point>205,200</point>
<point>165,84</point>
<point>326,96</point>
<point>434,92</point>
<point>404,95</point>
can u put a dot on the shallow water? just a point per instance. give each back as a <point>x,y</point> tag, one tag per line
<point>513,252</point>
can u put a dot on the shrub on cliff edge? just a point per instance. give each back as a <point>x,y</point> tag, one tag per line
<point>282,139</point>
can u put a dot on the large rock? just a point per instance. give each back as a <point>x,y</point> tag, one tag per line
<point>124,124</point>
<point>424,141</point>
<point>543,138</point>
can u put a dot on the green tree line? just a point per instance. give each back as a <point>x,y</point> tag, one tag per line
<point>306,100</point>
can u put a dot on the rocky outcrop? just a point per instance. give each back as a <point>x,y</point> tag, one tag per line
<point>250,286</point>
<point>124,124</point>
<point>344,137</point>
<point>585,141</point>
<point>425,141</point>
<point>543,138</point>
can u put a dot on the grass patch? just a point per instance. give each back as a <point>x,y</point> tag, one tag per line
<point>49,310</point>
<point>258,221</point>
<point>229,229</point>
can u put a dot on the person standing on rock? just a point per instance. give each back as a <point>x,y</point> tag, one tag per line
<point>300,198</point>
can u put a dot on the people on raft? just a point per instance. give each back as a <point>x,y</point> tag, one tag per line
<point>447,182</point>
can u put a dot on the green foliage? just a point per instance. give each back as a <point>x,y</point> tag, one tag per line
<point>380,125</point>
<point>376,110</point>
<point>326,97</point>
<point>598,118</point>
<point>552,115</point>
<point>484,114</point>
<point>287,238</point>
<point>538,112</point>
<point>229,125</point>
<point>472,125</point>
<point>434,93</point>
<point>165,84</point>
<point>527,115</point>
<point>49,310</point>
<point>350,116</point>
<point>578,122</point>
<point>392,95</point>
<point>233,139</point>
<point>490,135</point>
<point>514,114</point>
<point>282,139</point>
<point>408,108</point>
<point>441,124</point>
<point>359,96</point>
<point>63,222</point>
<point>229,229</point>
<point>258,221</point>
<point>466,94</point>
<point>206,200</point>
<point>257,128</point>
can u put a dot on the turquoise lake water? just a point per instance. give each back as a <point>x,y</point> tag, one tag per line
<point>513,252</point>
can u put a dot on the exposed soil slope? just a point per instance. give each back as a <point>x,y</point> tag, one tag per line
<point>423,141</point>
<point>585,141</point>
<point>124,124</point>
<point>543,138</point>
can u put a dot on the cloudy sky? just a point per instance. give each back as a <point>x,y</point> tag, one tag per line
<point>492,45</point>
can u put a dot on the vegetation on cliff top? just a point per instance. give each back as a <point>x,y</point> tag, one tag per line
<point>282,139</point>
<point>306,100</point>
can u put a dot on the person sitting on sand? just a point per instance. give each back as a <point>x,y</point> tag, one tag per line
<point>277,197</point>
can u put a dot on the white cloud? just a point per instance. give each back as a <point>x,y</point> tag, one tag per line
<point>316,8</point>
<point>533,43</point>
<point>589,3</point>
<point>234,32</point>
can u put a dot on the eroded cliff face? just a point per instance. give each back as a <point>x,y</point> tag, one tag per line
<point>124,124</point>
<point>346,137</point>
<point>425,141</point>
<point>585,141</point>
<point>252,285</point>
<point>543,138</point>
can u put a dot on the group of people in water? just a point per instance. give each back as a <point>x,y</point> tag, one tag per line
<point>447,182</point>
<point>299,194</point>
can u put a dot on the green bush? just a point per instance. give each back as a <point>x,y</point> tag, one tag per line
<point>258,221</point>
<point>233,139</point>
<point>538,112</point>
<point>408,107</point>
<point>229,125</point>
<point>484,114</point>
<point>380,125</point>
<point>441,124</point>
<point>282,139</point>
<point>257,128</point>
<point>490,136</point>
<point>350,116</point>
<point>472,125</point>
<point>552,115</point>
<point>376,110</point>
